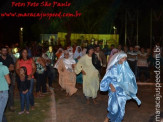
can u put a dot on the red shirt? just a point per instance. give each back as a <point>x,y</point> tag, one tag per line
<point>27,64</point>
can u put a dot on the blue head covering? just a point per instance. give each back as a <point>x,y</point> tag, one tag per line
<point>125,77</point>
<point>123,80</point>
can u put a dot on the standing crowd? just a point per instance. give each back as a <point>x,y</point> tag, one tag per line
<point>68,66</point>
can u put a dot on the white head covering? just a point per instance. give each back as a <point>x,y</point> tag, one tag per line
<point>115,58</point>
<point>70,49</point>
<point>77,54</point>
<point>67,62</point>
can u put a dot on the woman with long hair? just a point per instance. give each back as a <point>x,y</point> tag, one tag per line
<point>90,75</point>
<point>25,61</point>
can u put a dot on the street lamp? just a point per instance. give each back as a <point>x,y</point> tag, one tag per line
<point>21,29</point>
<point>21,36</point>
<point>115,29</point>
<point>115,32</point>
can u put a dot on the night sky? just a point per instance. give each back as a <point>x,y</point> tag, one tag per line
<point>98,16</point>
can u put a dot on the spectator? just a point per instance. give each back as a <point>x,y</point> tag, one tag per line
<point>150,58</point>
<point>25,61</point>
<point>40,73</point>
<point>106,50</point>
<point>136,49</point>
<point>4,81</point>
<point>101,56</point>
<point>112,47</point>
<point>59,53</point>
<point>143,65</point>
<point>24,85</point>
<point>132,59</point>
<point>125,49</point>
<point>6,59</point>
<point>119,48</point>
<point>77,55</point>
<point>50,70</point>
<point>113,51</point>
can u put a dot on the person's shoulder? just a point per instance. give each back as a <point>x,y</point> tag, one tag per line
<point>9,57</point>
<point>84,56</point>
<point>18,60</point>
<point>3,67</point>
<point>94,54</point>
<point>31,59</point>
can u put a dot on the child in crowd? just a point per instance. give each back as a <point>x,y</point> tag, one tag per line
<point>24,85</point>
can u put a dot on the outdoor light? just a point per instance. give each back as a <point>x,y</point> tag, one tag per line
<point>16,53</point>
<point>21,29</point>
<point>114,27</point>
<point>15,50</point>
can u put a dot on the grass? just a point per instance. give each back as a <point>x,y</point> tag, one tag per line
<point>39,114</point>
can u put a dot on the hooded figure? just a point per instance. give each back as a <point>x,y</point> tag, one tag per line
<point>78,54</point>
<point>121,77</point>
<point>67,76</point>
<point>59,52</point>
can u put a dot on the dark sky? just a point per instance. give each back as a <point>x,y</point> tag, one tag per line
<point>9,27</point>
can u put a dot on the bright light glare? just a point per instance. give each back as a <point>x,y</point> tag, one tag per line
<point>114,27</point>
<point>21,28</point>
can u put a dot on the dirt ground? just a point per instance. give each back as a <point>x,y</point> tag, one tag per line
<point>75,109</point>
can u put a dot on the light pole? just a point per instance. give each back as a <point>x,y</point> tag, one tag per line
<point>115,32</point>
<point>21,36</point>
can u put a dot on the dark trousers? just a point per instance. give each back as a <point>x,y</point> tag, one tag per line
<point>4,118</point>
<point>102,71</point>
<point>11,92</point>
<point>144,70</point>
<point>24,100</point>
<point>31,96</point>
<point>133,66</point>
<point>3,102</point>
<point>40,82</point>
<point>51,75</point>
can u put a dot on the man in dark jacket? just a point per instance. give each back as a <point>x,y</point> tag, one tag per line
<point>102,58</point>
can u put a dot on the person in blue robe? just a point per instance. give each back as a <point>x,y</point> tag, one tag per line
<point>120,81</point>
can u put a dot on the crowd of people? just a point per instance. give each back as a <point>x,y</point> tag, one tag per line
<point>68,65</point>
